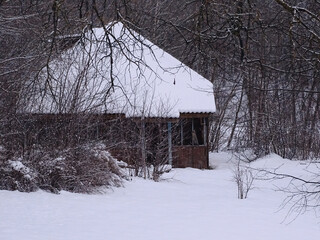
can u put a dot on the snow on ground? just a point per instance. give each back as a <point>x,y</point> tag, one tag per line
<point>187,204</point>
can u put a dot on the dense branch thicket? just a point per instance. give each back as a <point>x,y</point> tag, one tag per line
<point>263,58</point>
<point>32,35</point>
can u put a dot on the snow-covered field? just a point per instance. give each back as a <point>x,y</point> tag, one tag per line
<point>186,204</point>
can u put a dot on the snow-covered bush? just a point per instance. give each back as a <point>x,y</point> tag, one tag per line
<point>83,169</point>
<point>14,175</point>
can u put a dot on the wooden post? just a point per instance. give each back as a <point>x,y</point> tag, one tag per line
<point>192,131</point>
<point>143,147</point>
<point>192,124</point>
<point>181,131</point>
<point>170,142</point>
<point>204,131</point>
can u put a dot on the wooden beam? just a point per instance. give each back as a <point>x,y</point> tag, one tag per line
<point>181,131</point>
<point>195,115</point>
<point>170,142</point>
<point>204,131</point>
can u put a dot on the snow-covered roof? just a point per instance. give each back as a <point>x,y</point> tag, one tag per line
<point>115,70</point>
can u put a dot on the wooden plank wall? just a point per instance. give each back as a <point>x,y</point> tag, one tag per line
<point>190,156</point>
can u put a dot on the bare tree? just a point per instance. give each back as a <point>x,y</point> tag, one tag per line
<point>243,175</point>
<point>302,192</point>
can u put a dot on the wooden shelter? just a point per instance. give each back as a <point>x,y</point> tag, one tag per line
<point>179,141</point>
<point>164,105</point>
